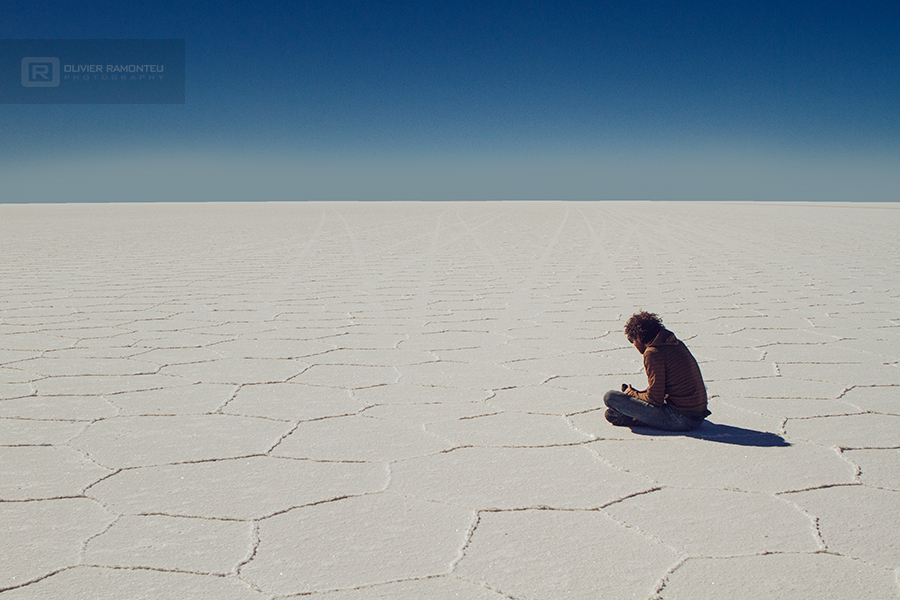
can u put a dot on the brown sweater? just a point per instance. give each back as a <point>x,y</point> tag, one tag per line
<point>673,377</point>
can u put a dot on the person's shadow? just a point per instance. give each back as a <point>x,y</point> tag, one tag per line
<point>723,434</point>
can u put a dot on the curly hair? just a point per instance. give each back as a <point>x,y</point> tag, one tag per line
<point>643,326</point>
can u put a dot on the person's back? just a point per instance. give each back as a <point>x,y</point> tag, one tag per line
<point>684,389</point>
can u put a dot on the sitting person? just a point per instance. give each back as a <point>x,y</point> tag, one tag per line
<point>675,398</point>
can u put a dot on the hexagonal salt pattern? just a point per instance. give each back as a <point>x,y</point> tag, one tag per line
<point>731,523</point>
<point>355,542</point>
<point>876,399</point>
<point>45,472</point>
<point>237,489</point>
<point>850,521</point>
<point>41,538</point>
<point>683,461</point>
<point>522,554</point>
<point>145,441</point>
<point>509,429</point>
<point>878,468</point>
<point>511,478</point>
<point>779,576</point>
<point>404,400</point>
<point>199,398</point>
<point>197,545</point>
<point>114,584</point>
<point>334,440</point>
<point>29,432</point>
<point>292,402</point>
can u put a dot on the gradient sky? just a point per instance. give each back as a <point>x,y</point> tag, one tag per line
<point>331,99</point>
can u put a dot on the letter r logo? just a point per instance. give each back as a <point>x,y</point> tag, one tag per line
<point>40,71</point>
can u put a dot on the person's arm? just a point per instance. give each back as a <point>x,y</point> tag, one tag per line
<point>655,393</point>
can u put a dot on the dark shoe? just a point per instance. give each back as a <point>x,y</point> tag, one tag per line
<point>620,420</point>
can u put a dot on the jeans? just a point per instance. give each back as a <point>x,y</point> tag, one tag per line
<point>659,417</point>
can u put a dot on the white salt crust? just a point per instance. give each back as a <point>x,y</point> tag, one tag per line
<point>404,400</point>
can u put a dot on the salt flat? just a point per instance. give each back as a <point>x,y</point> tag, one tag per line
<point>403,400</point>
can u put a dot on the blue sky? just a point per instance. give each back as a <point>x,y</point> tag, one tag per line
<point>475,100</point>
